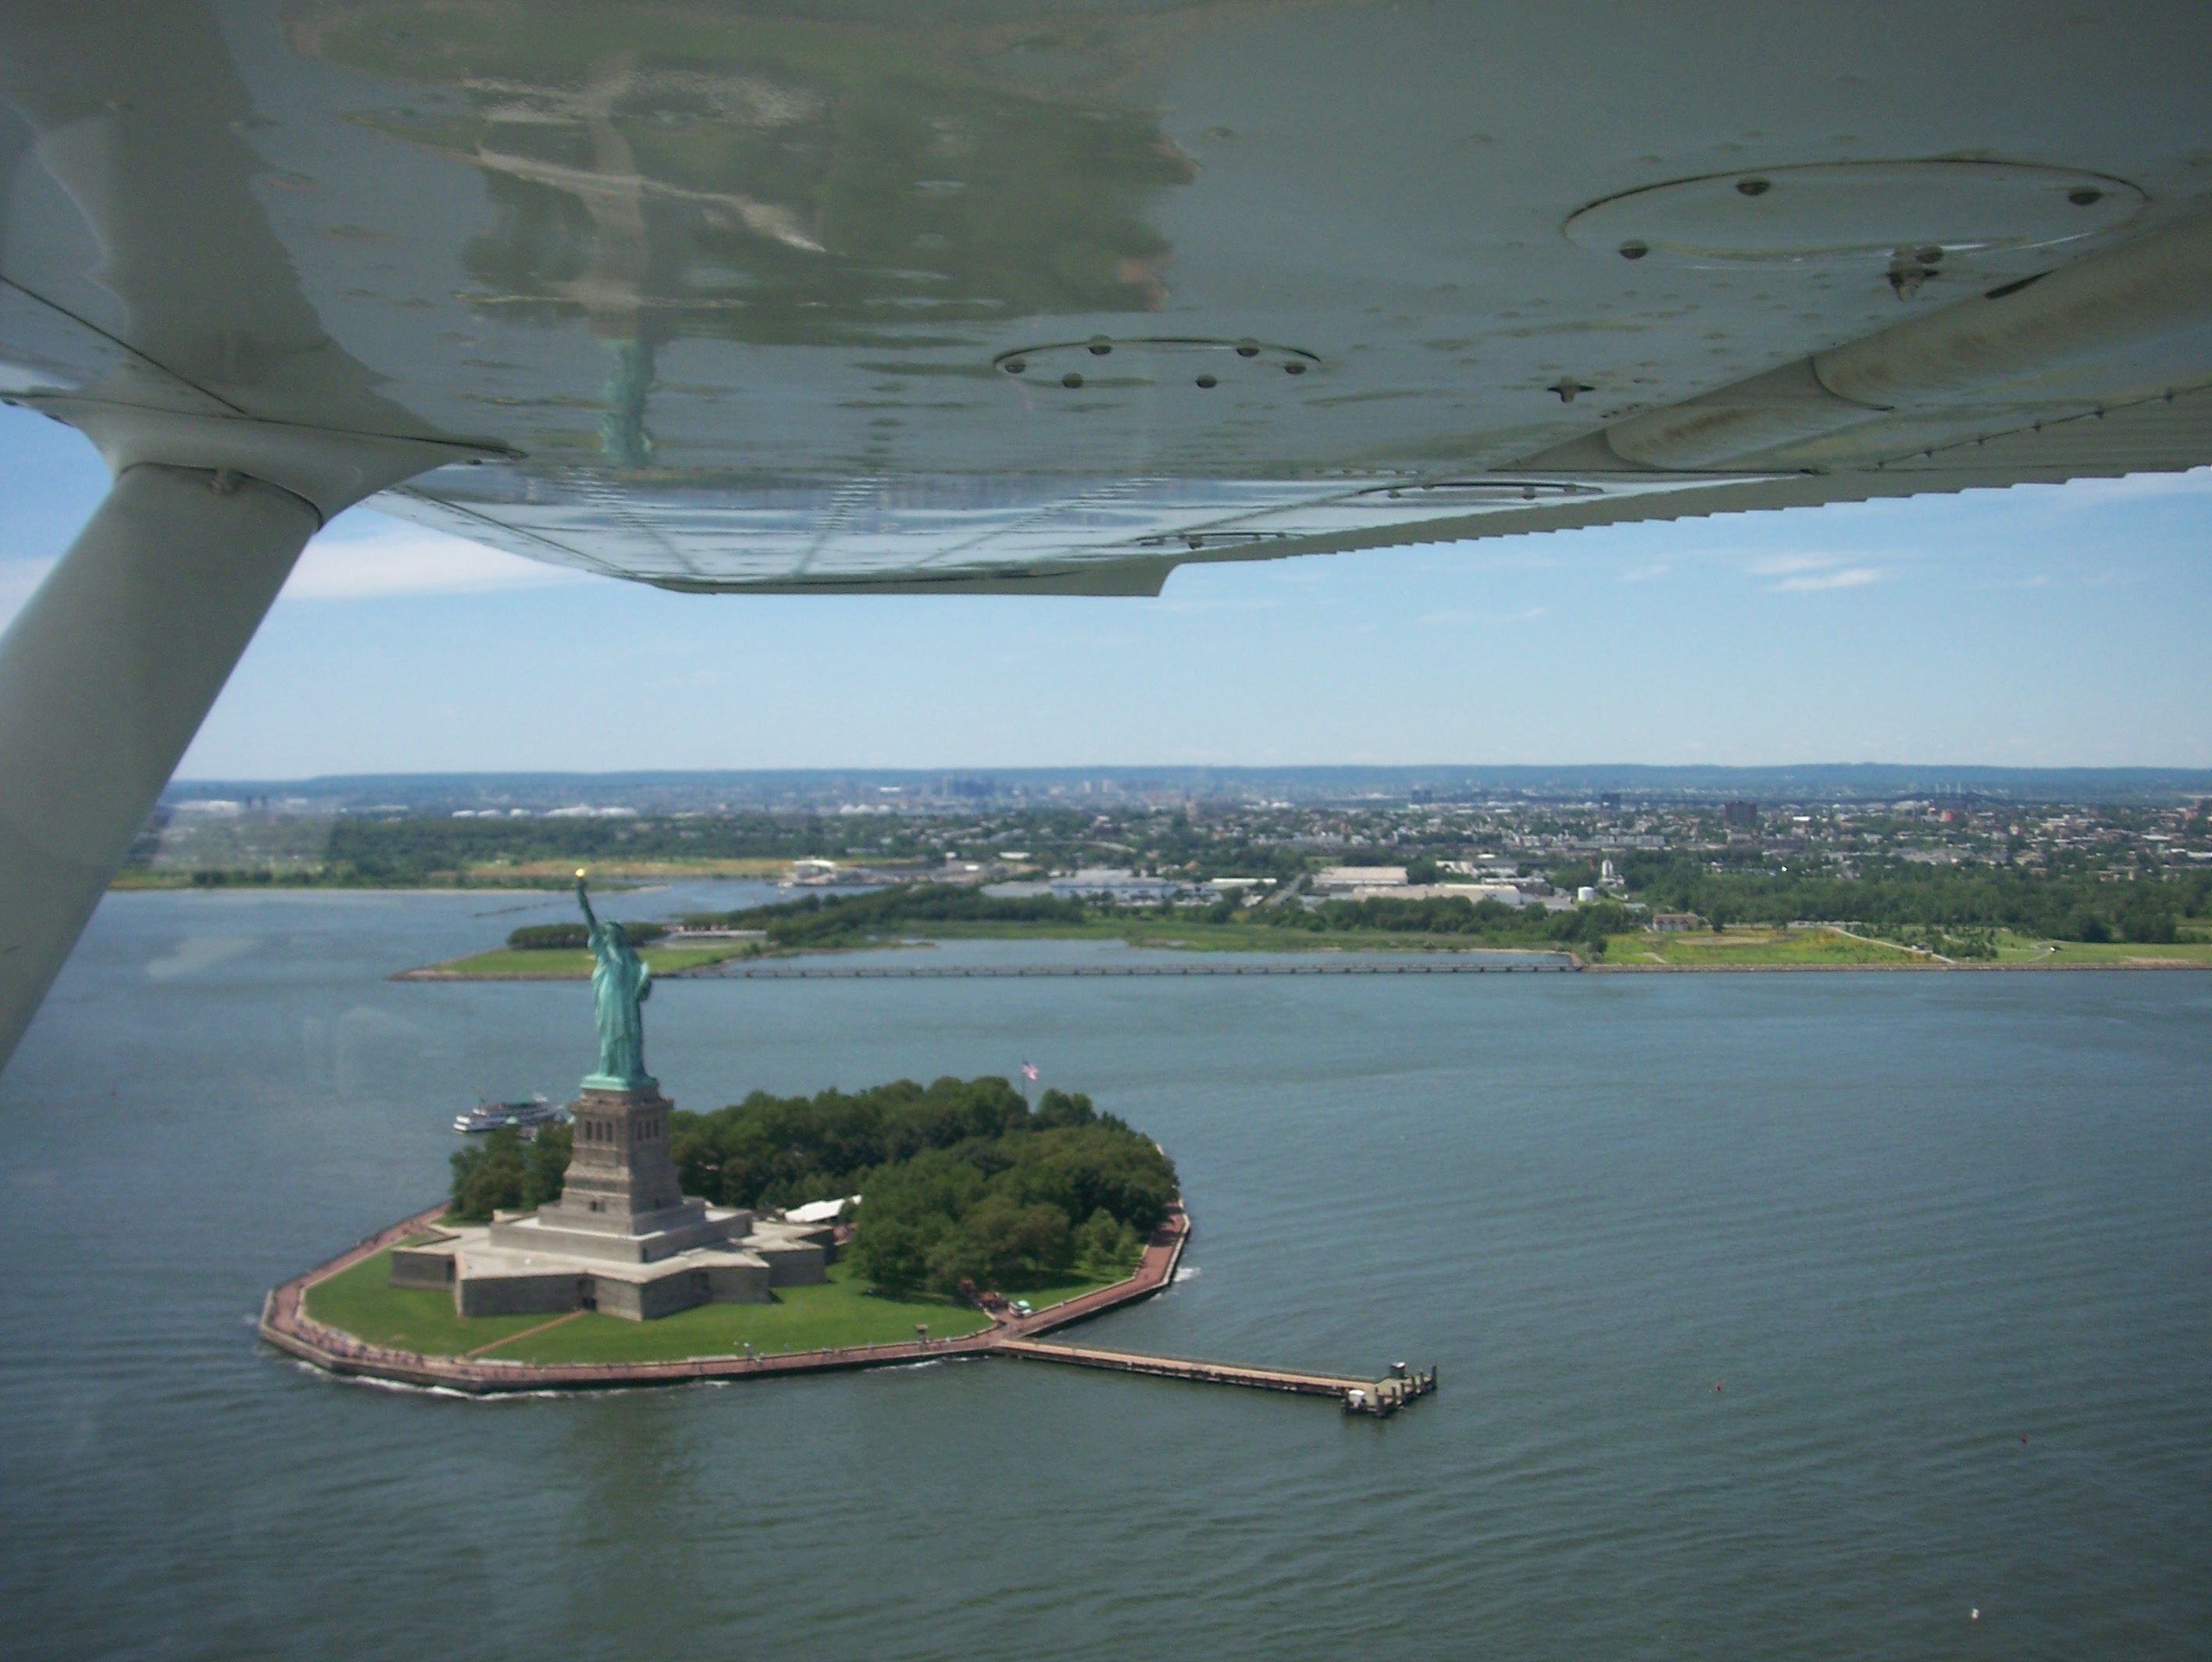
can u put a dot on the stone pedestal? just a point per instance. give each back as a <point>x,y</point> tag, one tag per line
<point>621,1199</point>
<point>622,1178</point>
<point>623,1238</point>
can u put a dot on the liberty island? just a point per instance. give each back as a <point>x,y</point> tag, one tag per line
<point>622,1240</point>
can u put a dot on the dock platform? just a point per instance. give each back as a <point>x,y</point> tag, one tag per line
<point>1360,1396</point>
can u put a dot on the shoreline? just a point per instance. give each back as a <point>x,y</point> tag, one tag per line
<point>286,1326</point>
<point>721,969</point>
<point>1974,966</point>
<point>767,968</point>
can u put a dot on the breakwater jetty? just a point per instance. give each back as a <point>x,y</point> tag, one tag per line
<point>286,1325</point>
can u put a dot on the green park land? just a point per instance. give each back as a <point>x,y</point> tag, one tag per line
<point>1179,934</point>
<point>1737,947</point>
<point>1763,949</point>
<point>575,964</point>
<point>2025,950</point>
<point>838,1313</point>
<point>1740,947</point>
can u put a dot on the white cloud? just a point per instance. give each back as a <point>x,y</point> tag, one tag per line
<point>401,560</point>
<point>1812,573</point>
<point>1851,577</point>
<point>1477,614</point>
<point>1778,565</point>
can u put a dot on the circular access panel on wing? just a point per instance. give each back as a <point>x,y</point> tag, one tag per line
<point>1855,211</point>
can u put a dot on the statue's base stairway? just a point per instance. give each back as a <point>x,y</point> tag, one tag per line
<point>623,1238</point>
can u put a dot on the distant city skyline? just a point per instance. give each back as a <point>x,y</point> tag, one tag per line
<point>985,789</point>
<point>2040,627</point>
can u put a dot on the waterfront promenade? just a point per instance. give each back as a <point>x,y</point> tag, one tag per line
<point>286,1325</point>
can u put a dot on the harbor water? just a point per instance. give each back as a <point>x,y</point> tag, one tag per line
<point>1816,1316</point>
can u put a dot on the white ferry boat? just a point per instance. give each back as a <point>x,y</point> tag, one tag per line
<point>525,1115</point>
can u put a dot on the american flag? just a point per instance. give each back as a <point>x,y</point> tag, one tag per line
<point>1028,1071</point>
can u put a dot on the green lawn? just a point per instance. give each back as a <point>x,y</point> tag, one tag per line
<point>837,1313</point>
<point>1060,1289</point>
<point>363,1301</point>
<point>1195,934</point>
<point>576,964</point>
<point>2021,949</point>
<point>1782,947</point>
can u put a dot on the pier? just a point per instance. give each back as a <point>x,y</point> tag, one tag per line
<point>1381,1396</point>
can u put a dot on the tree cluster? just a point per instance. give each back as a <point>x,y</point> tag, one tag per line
<point>1456,915</point>
<point>960,1180</point>
<point>1902,895</point>
<point>820,920</point>
<point>1067,1188</point>
<point>503,1173</point>
<point>388,852</point>
<point>546,937</point>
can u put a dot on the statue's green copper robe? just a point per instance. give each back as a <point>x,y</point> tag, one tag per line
<point>620,984</point>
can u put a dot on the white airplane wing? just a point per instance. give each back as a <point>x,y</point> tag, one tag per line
<point>942,295</point>
<point>951,296</point>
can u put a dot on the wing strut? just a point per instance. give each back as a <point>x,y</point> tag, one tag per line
<point>104,679</point>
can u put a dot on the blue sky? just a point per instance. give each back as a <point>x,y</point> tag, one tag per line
<point>2046,626</point>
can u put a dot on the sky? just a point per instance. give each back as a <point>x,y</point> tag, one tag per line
<point>2042,626</point>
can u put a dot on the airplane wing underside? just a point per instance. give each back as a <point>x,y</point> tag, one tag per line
<point>965,297</point>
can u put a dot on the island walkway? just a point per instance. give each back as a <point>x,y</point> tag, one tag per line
<point>286,1325</point>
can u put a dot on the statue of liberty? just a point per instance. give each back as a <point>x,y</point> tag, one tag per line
<point>620,983</point>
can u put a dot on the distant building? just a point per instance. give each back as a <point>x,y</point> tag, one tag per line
<point>1676,923</point>
<point>1504,893</point>
<point>1740,813</point>
<point>1122,887</point>
<point>1342,879</point>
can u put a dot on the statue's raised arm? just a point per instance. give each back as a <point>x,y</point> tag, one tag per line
<point>591,918</point>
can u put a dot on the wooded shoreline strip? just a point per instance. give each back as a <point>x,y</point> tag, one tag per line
<point>1045,972</point>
